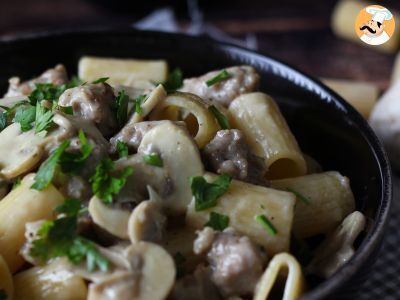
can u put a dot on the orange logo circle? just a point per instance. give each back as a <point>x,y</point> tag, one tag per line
<point>375,25</point>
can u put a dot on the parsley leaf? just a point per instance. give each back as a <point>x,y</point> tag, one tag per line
<point>68,110</point>
<point>73,162</point>
<point>60,238</point>
<point>74,82</point>
<point>221,118</point>
<point>101,80</point>
<point>3,295</point>
<point>153,159</point>
<point>299,196</point>
<point>25,116</point>
<point>121,107</point>
<point>223,75</point>
<point>217,221</point>
<point>174,80</point>
<point>206,194</point>
<point>47,170</point>
<point>138,101</point>
<point>266,224</point>
<point>46,91</point>
<point>105,185</point>
<point>71,207</point>
<point>16,183</point>
<point>43,118</point>
<point>122,149</point>
<point>3,120</point>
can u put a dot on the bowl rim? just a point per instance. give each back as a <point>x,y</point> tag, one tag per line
<point>374,238</point>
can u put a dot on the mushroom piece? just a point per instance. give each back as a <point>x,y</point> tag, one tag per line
<point>150,276</point>
<point>20,151</point>
<point>176,148</point>
<point>113,220</point>
<point>147,221</point>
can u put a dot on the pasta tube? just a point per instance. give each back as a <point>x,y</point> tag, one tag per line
<point>206,124</point>
<point>48,283</point>
<point>20,206</point>
<point>243,202</point>
<point>268,134</point>
<point>130,72</point>
<point>330,200</point>
<point>295,283</point>
<point>6,282</point>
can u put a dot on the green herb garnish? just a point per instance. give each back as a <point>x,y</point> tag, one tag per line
<point>221,118</point>
<point>174,80</point>
<point>121,107</point>
<point>217,221</point>
<point>16,183</point>
<point>101,80</point>
<point>299,196</point>
<point>3,120</point>
<point>68,110</point>
<point>153,159</point>
<point>206,194</point>
<point>138,101</point>
<point>223,75</point>
<point>71,207</point>
<point>46,91</point>
<point>73,162</point>
<point>25,116</point>
<point>47,169</point>
<point>266,224</point>
<point>43,118</point>
<point>122,149</point>
<point>105,185</point>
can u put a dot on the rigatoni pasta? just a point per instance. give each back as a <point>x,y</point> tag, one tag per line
<point>149,187</point>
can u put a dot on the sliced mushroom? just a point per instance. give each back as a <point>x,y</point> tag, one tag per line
<point>157,95</point>
<point>150,277</point>
<point>113,220</point>
<point>206,126</point>
<point>181,159</point>
<point>147,221</point>
<point>20,151</point>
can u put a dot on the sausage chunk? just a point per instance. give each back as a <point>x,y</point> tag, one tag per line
<point>228,153</point>
<point>244,79</point>
<point>57,76</point>
<point>92,102</point>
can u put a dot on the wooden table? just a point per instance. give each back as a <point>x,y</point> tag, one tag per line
<point>297,32</point>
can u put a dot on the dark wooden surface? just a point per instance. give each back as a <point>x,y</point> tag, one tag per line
<point>297,32</point>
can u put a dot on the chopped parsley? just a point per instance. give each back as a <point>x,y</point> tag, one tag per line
<point>206,194</point>
<point>47,169</point>
<point>25,116</point>
<point>60,238</point>
<point>221,118</point>
<point>105,185</point>
<point>74,82</point>
<point>217,221</point>
<point>137,103</point>
<point>266,224</point>
<point>70,207</point>
<point>46,91</point>
<point>68,110</point>
<point>101,80</point>
<point>223,75</point>
<point>174,80</point>
<point>3,120</point>
<point>43,118</point>
<point>121,107</point>
<point>16,183</point>
<point>122,149</point>
<point>299,196</point>
<point>3,295</point>
<point>153,159</point>
<point>73,162</point>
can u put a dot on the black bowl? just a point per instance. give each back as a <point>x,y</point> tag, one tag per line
<point>326,127</point>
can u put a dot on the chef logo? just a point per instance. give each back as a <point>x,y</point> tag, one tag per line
<point>375,25</point>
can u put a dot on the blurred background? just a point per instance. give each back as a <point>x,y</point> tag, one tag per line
<point>297,32</point>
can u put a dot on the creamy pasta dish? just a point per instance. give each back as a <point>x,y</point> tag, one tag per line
<point>130,182</point>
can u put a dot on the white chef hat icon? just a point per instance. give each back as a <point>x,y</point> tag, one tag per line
<point>379,14</point>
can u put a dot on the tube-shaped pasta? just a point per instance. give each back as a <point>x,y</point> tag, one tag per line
<point>6,281</point>
<point>20,206</point>
<point>242,203</point>
<point>269,136</point>
<point>191,104</point>
<point>295,283</point>
<point>48,283</point>
<point>19,151</point>
<point>128,72</point>
<point>330,200</point>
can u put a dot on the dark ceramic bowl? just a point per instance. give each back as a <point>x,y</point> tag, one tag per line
<point>326,127</point>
